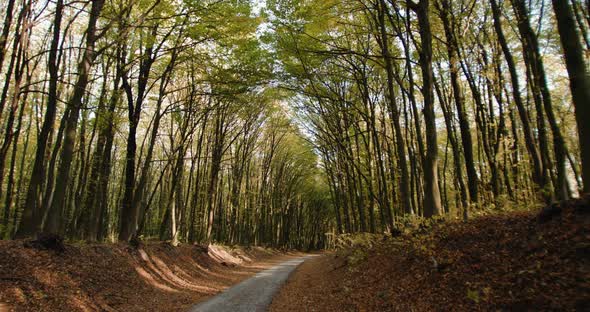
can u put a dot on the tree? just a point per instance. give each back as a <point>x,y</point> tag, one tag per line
<point>32,211</point>
<point>579,79</point>
<point>54,213</point>
<point>432,203</point>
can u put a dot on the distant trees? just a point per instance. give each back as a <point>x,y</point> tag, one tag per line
<point>385,85</point>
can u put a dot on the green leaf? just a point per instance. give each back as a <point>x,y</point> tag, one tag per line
<point>473,295</point>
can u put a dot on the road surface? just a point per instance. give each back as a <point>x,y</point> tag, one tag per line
<point>254,294</point>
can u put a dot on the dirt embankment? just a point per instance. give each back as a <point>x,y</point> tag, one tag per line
<point>511,262</point>
<point>155,277</point>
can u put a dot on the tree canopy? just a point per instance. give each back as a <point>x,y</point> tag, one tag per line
<point>275,122</point>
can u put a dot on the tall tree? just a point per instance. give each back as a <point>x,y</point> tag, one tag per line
<point>579,80</point>
<point>32,211</point>
<point>432,200</point>
<point>54,213</point>
<point>541,93</point>
<point>450,28</point>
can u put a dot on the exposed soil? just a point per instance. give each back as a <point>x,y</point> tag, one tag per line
<point>155,277</point>
<point>510,262</point>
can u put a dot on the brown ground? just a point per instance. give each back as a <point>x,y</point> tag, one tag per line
<point>157,277</point>
<point>511,262</point>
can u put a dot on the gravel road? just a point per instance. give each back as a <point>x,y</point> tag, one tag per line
<point>254,294</point>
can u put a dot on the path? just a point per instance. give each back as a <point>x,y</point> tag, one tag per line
<point>254,294</point>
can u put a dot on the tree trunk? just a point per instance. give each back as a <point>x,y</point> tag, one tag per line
<point>522,111</point>
<point>579,81</point>
<point>130,212</point>
<point>55,210</point>
<point>394,111</point>
<point>452,47</point>
<point>539,86</point>
<point>432,201</point>
<point>6,31</point>
<point>32,214</point>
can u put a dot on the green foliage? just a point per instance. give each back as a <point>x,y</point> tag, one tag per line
<point>356,257</point>
<point>357,240</point>
<point>412,224</point>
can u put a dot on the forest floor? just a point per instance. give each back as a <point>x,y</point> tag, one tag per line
<point>101,277</point>
<point>522,261</point>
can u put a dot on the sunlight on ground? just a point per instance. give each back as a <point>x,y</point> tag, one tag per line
<point>187,274</point>
<point>81,304</point>
<point>157,273</point>
<point>152,281</point>
<point>221,255</point>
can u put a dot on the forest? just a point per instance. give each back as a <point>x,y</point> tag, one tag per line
<point>282,122</point>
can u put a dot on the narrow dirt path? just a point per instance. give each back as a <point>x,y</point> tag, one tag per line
<point>254,294</point>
